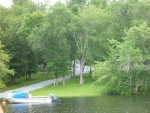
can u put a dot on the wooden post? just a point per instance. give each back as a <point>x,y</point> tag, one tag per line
<point>1,110</point>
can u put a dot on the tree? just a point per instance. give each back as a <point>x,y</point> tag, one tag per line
<point>32,63</point>
<point>51,39</point>
<point>56,43</point>
<point>75,5</point>
<point>127,69</point>
<point>16,46</point>
<point>127,14</point>
<point>15,37</point>
<point>99,3</point>
<point>107,75</point>
<point>4,59</point>
<point>32,21</point>
<point>88,23</point>
<point>18,50</point>
<point>134,52</point>
<point>73,49</point>
<point>126,54</point>
<point>27,5</point>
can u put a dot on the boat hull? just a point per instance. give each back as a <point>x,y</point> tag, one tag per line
<point>30,100</point>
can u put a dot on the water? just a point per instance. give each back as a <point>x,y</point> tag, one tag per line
<point>103,104</point>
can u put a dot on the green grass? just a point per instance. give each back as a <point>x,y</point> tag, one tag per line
<point>71,89</point>
<point>21,82</point>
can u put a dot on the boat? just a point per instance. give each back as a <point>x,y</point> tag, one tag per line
<point>23,97</point>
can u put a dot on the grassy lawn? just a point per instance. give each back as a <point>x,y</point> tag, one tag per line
<point>21,82</point>
<point>71,89</point>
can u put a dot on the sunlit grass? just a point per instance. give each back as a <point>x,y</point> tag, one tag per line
<point>71,89</point>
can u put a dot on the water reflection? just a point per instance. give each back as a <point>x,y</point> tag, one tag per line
<point>104,104</point>
<point>29,108</point>
<point>20,108</point>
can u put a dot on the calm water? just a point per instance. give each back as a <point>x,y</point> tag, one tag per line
<point>104,104</point>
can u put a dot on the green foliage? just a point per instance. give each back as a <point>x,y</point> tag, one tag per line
<point>107,75</point>
<point>30,22</point>
<point>4,70</point>
<point>116,34</point>
<point>76,5</point>
<point>52,34</point>
<point>18,54</point>
<point>126,74</point>
<point>16,44</point>
<point>99,3</point>
<point>134,52</point>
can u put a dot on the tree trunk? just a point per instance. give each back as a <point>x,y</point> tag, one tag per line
<point>43,69</point>
<point>43,66</point>
<point>82,65</point>
<point>30,76</point>
<point>47,73</point>
<point>90,71</point>
<point>63,80</point>
<point>10,80</point>
<point>131,82</point>
<point>74,68</point>
<point>54,78</point>
<point>26,76</point>
<point>57,81</point>
<point>81,72</point>
<point>14,79</point>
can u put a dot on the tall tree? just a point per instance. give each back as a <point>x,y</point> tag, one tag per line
<point>51,38</point>
<point>18,50</point>
<point>4,58</point>
<point>87,25</point>
<point>15,44</point>
<point>32,21</point>
<point>134,52</point>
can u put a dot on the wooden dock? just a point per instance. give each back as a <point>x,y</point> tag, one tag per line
<point>1,110</point>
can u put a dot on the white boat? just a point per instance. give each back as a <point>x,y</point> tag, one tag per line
<point>22,97</point>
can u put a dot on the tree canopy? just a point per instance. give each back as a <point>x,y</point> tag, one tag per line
<point>110,36</point>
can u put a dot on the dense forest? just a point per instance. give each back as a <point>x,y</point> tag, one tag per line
<point>113,37</point>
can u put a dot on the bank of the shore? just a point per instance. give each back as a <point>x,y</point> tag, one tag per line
<point>33,86</point>
<point>71,89</point>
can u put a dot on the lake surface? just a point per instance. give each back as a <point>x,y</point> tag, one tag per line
<point>103,104</point>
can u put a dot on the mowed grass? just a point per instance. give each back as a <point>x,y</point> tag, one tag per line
<point>71,89</point>
<point>21,82</point>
